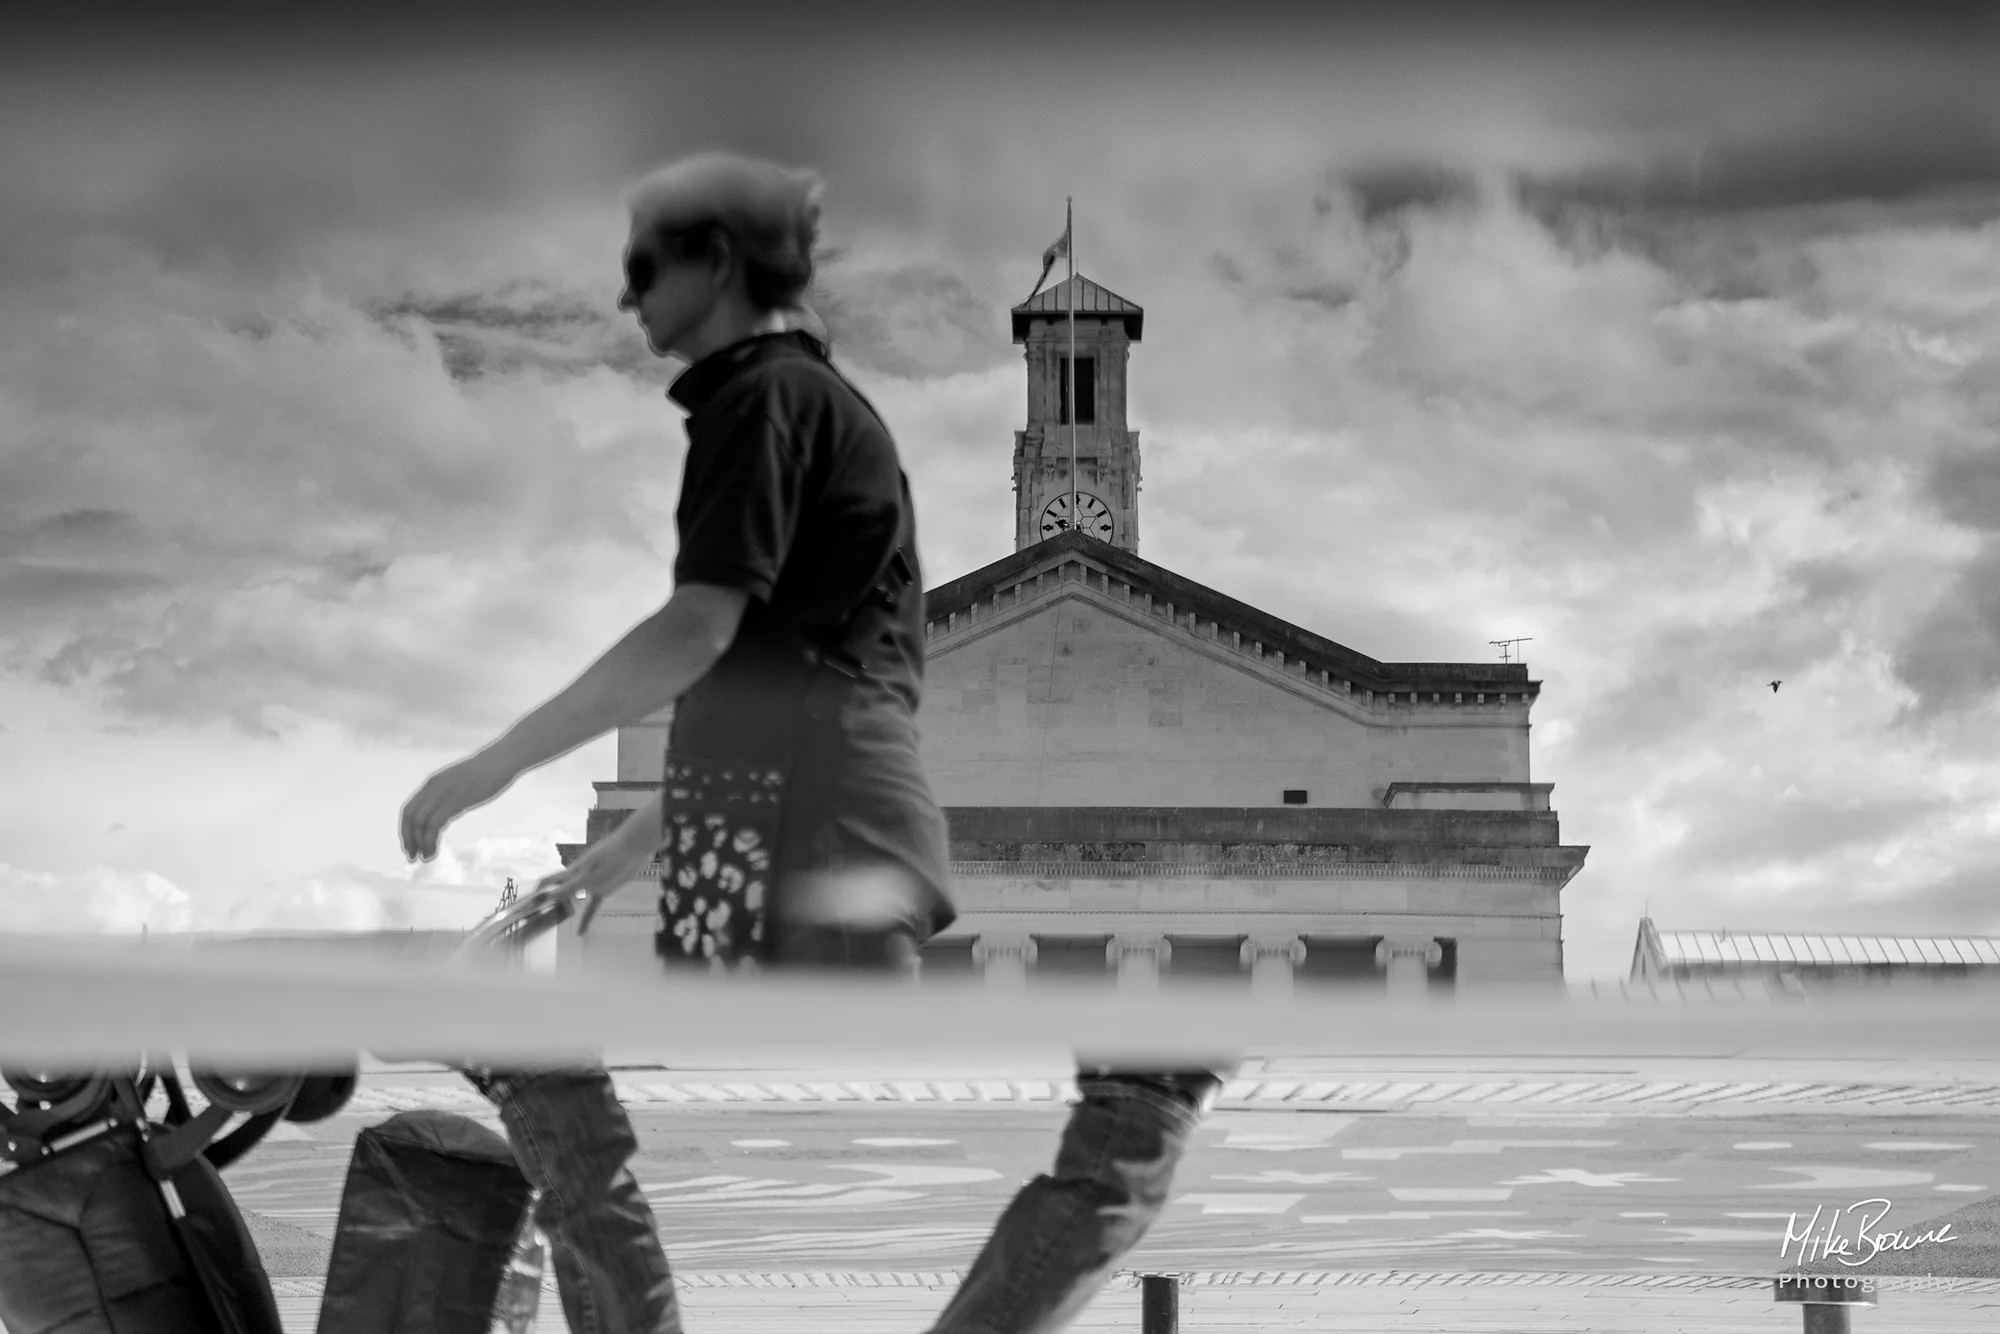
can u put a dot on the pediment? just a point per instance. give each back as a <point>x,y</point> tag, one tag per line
<point>1076,565</point>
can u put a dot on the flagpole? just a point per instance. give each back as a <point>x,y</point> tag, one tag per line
<point>1069,230</point>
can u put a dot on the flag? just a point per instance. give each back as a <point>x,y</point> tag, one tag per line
<point>1056,251</point>
<point>1049,258</point>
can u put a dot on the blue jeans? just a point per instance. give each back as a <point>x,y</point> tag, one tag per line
<point>1052,1249</point>
<point>574,1143</point>
<point>1060,1237</point>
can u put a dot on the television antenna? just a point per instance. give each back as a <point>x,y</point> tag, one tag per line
<point>1506,646</point>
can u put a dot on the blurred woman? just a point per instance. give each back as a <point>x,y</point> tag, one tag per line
<point>795,826</point>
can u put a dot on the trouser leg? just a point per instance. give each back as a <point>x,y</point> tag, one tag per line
<point>575,1145</point>
<point>574,1142</point>
<point>1061,1235</point>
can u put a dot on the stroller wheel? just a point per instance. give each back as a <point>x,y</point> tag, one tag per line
<point>323,1095</point>
<point>247,1091</point>
<point>45,1086</point>
<point>70,1097</point>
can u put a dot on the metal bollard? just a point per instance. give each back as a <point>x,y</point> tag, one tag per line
<point>1160,1303</point>
<point>1824,1299</point>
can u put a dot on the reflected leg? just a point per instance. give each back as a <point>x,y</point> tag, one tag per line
<point>575,1145</point>
<point>1060,1237</point>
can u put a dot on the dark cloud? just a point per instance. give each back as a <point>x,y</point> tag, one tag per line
<point>85,524</point>
<point>59,564</point>
<point>1710,258</point>
<point>1326,296</point>
<point>509,332</point>
<point>1952,658</point>
<point>88,531</point>
<point>1879,151</point>
<point>562,321</point>
<point>41,590</point>
<point>243,30</point>
<point>1965,486</point>
<point>1389,189</point>
<point>915,323</point>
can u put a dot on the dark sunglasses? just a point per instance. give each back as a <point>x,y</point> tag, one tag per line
<point>641,269</point>
<point>643,262</point>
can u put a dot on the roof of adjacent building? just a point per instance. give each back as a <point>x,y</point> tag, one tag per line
<point>1091,299</point>
<point>1671,949</point>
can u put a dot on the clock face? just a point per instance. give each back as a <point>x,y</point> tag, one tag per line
<point>1093,516</point>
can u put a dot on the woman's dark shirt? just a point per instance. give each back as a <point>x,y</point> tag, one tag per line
<point>793,492</point>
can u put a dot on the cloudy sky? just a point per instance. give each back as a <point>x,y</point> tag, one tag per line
<point>324,453</point>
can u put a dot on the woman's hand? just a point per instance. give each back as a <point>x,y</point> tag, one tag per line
<point>448,794</point>
<point>609,864</point>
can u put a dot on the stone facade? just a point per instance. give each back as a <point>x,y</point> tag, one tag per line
<point>1148,781</point>
<point>1071,682</point>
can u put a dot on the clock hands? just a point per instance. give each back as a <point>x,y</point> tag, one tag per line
<point>1092,516</point>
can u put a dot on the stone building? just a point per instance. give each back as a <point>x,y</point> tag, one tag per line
<point>1147,779</point>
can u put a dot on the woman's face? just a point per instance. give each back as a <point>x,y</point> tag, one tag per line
<point>671,297</point>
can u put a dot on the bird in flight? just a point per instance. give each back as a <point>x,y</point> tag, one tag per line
<point>1775,685</point>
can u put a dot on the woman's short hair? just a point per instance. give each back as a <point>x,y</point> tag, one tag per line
<point>769,213</point>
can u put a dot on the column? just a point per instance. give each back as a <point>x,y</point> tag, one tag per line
<point>1138,959</point>
<point>1004,958</point>
<point>1409,960</point>
<point>1271,960</point>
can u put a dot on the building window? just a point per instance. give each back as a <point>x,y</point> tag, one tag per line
<point>1443,979</point>
<point>1212,958</point>
<point>1347,961</point>
<point>1295,796</point>
<point>1073,958</point>
<point>1086,391</point>
<point>948,956</point>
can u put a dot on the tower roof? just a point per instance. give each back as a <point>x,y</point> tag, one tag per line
<point>1053,302</point>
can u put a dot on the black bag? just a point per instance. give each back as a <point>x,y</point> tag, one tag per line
<point>429,1218</point>
<point>88,1245</point>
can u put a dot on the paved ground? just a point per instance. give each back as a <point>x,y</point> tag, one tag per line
<point>1500,1193</point>
<point>1602,1195</point>
<point>910,1186</point>
<point>1344,1303</point>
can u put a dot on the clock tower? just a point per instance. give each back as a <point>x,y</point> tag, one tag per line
<point>1107,454</point>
